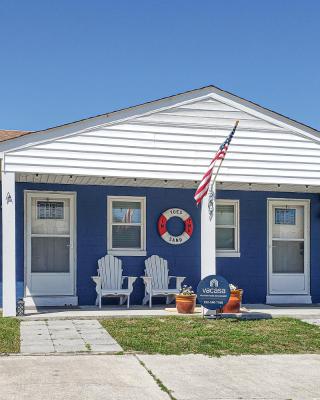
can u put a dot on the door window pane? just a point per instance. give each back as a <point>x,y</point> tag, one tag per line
<point>50,254</point>
<point>126,237</point>
<point>50,209</point>
<point>225,238</point>
<point>285,216</point>
<point>288,222</point>
<point>287,257</point>
<point>50,217</point>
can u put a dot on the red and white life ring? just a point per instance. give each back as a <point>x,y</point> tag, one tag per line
<point>162,226</point>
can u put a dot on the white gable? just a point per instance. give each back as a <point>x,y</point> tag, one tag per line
<point>177,143</point>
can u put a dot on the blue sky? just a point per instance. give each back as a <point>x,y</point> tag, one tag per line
<point>64,60</point>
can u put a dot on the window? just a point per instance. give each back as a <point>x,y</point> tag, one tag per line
<point>126,226</point>
<point>285,216</point>
<point>227,228</point>
<point>50,210</point>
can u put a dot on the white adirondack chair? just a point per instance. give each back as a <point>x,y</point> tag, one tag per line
<point>110,280</point>
<point>157,280</point>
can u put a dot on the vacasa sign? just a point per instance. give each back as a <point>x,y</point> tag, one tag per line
<point>213,292</point>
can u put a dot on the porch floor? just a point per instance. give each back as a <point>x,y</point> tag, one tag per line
<point>92,312</point>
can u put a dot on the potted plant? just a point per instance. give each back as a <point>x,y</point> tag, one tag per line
<point>234,303</point>
<point>186,300</point>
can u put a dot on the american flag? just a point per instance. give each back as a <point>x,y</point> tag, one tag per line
<point>220,155</point>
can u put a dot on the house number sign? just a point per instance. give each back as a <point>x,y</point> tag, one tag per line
<point>162,226</point>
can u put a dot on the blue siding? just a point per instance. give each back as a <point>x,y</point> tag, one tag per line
<point>249,271</point>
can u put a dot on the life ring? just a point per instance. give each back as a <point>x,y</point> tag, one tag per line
<point>162,226</point>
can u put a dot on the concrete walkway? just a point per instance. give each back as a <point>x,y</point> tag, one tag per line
<point>312,321</point>
<point>272,377</point>
<point>189,377</point>
<point>65,336</point>
<point>76,377</point>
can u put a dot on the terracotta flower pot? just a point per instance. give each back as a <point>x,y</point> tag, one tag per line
<point>234,303</point>
<point>186,303</point>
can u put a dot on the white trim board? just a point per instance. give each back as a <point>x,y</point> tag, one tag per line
<point>165,184</point>
<point>8,244</point>
<point>288,299</point>
<point>50,301</point>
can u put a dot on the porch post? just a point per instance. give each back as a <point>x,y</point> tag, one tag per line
<point>208,238</point>
<point>8,244</point>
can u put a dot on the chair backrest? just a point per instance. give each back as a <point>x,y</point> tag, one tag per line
<point>157,269</point>
<point>110,271</point>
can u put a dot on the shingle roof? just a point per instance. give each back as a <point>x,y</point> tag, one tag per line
<point>11,134</point>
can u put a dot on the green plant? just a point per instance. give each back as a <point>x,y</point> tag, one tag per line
<point>186,290</point>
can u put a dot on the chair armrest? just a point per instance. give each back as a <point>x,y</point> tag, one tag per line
<point>147,280</point>
<point>131,280</point>
<point>179,280</point>
<point>96,280</point>
<point>130,277</point>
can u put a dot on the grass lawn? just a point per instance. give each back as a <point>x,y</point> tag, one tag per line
<point>9,335</point>
<point>183,335</point>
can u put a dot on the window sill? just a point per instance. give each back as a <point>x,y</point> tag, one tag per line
<point>129,253</point>
<point>227,254</point>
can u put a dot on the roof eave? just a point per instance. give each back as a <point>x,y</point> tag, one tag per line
<point>157,105</point>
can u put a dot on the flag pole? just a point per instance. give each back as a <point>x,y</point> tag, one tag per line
<point>216,174</point>
<point>211,193</point>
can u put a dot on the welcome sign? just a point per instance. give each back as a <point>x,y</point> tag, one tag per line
<point>213,292</point>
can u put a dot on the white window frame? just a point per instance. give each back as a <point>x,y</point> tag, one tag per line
<point>236,251</point>
<point>126,251</point>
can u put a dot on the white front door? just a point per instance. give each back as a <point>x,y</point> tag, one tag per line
<point>50,245</point>
<point>289,254</point>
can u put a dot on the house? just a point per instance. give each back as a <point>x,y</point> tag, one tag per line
<point>72,193</point>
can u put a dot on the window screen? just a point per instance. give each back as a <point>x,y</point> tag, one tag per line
<point>127,224</point>
<point>226,227</point>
